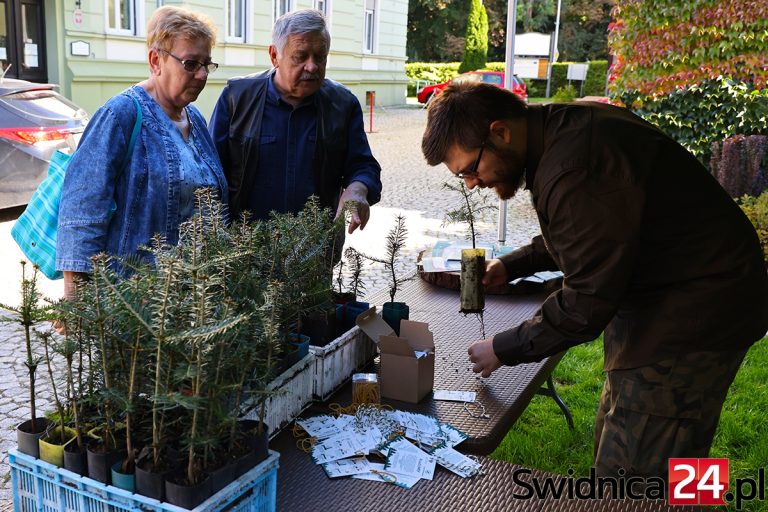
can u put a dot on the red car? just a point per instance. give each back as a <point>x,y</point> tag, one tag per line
<point>490,77</point>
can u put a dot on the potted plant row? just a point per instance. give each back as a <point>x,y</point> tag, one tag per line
<point>160,358</point>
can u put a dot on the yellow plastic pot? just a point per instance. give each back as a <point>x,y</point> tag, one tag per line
<point>50,450</point>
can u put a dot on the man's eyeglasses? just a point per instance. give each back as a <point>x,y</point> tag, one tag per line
<point>473,171</point>
<point>191,66</point>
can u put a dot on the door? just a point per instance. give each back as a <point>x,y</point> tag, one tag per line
<point>22,40</point>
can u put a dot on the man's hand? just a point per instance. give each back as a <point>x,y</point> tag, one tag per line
<point>484,358</point>
<point>359,209</point>
<point>495,273</point>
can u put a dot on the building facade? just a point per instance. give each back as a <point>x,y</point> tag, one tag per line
<point>96,48</point>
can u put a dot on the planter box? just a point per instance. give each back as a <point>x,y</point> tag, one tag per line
<point>337,361</point>
<point>42,487</point>
<point>291,393</point>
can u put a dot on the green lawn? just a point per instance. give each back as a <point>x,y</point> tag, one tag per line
<point>541,439</point>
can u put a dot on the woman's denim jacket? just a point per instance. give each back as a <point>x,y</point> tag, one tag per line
<point>146,192</point>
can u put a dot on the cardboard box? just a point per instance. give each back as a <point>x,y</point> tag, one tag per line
<point>402,375</point>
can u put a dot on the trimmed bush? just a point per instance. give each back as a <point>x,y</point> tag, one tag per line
<point>756,209</point>
<point>441,72</point>
<point>565,94</point>
<point>739,164</point>
<point>431,71</point>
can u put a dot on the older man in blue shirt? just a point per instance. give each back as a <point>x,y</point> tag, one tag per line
<point>288,133</point>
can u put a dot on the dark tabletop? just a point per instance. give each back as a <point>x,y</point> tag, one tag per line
<point>303,486</point>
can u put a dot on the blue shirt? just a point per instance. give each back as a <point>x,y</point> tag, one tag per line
<point>285,176</point>
<point>147,193</point>
<point>272,152</point>
<point>194,173</point>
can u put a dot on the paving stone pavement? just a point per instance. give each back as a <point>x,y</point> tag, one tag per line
<point>411,188</point>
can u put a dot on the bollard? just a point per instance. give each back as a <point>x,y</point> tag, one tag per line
<point>371,100</point>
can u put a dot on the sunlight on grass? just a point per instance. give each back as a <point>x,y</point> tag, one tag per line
<point>541,439</point>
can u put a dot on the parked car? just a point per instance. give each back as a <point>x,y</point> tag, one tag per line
<point>35,121</point>
<point>489,77</point>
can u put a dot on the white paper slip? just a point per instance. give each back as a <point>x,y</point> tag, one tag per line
<point>452,435</point>
<point>321,427</point>
<point>372,439</point>
<point>337,447</point>
<point>456,462</point>
<point>347,467</point>
<point>454,396</point>
<point>422,438</point>
<point>379,474</point>
<point>400,443</point>
<point>411,463</point>
<point>421,422</point>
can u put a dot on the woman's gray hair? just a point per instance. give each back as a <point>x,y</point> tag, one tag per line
<point>303,21</point>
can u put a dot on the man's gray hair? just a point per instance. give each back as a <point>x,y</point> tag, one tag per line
<point>303,21</point>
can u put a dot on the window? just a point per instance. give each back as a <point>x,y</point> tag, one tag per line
<point>121,17</point>
<point>322,6</point>
<point>282,7</point>
<point>237,21</point>
<point>370,26</point>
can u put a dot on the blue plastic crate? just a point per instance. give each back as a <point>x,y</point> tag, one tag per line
<point>42,487</point>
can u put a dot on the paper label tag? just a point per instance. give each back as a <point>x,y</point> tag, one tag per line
<point>452,435</point>
<point>321,427</point>
<point>347,467</point>
<point>338,447</point>
<point>420,422</point>
<point>379,474</point>
<point>406,459</point>
<point>454,396</point>
<point>456,462</point>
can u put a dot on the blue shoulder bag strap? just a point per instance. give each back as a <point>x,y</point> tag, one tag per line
<point>134,135</point>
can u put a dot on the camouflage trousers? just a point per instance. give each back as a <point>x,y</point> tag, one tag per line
<point>667,409</point>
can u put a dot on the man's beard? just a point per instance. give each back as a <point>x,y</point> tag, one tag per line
<point>511,179</point>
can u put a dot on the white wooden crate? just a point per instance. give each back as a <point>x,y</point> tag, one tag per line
<point>289,394</point>
<point>337,361</point>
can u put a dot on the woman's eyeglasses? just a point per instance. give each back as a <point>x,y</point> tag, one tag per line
<point>191,66</point>
<point>473,171</point>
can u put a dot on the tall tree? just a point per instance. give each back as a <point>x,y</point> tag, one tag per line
<point>433,26</point>
<point>476,43</point>
<point>532,16</point>
<point>584,30</point>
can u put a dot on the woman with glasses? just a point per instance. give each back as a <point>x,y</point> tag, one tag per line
<point>152,182</point>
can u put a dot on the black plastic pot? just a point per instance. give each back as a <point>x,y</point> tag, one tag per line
<point>343,297</point>
<point>26,441</point>
<point>257,445</point>
<point>150,484</point>
<point>76,458</point>
<point>393,312</point>
<point>346,315</point>
<point>100,463</point>
<point>320,326</point>
<point>186,496</point>
<point>223,476</point>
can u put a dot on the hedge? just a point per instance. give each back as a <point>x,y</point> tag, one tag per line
<point>441,72</point>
